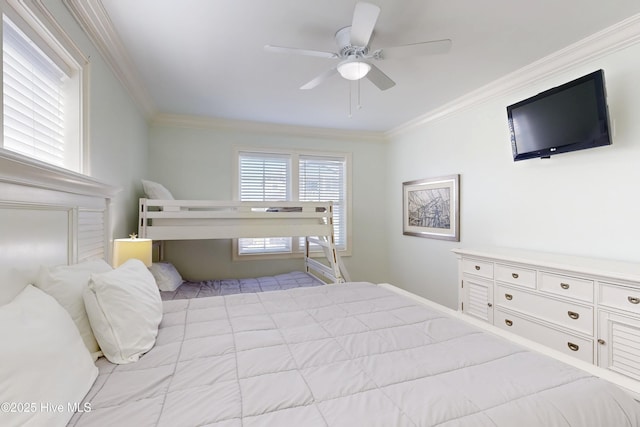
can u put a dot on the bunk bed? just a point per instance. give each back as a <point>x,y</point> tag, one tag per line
<point>162,220</point>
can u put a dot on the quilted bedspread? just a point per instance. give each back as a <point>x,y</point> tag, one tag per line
<point>341,355</point>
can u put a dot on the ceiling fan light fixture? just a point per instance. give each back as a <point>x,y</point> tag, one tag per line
<point>353,69</point>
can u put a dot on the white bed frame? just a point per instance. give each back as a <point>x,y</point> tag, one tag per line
<point>48,216</point>
<point>162,220</point>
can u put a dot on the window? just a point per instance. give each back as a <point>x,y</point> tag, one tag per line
<point>265,178</point>
<point>299,176</point>
<point>41,87</point>
<point>322,179</point>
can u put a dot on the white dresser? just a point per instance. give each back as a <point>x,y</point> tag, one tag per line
<point>583,307</point>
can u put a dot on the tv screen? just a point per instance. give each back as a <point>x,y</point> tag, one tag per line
<point>566,118</point>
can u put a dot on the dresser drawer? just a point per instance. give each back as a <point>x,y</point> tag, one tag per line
<point>620,297</point>
<point>566,286</point>
<point>478,268</point>
<point>566,343</point>
<point>516,275</point>
<point>570,315</point>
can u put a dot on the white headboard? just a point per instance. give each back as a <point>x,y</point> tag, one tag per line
<point>48,216</point>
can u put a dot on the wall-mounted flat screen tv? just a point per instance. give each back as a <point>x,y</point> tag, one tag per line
<point>569,117</point>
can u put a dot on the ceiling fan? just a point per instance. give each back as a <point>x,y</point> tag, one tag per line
<point>355,55</point>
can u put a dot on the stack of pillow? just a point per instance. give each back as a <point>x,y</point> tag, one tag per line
<point>52,333</point>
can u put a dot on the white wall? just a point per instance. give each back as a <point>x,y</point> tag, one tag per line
<point>118,132</point>
<point>196,162</point>
<point>582,203</point>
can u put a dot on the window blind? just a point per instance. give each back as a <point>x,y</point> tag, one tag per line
<point>264,177</point>
<point>33,97</point>
<point>322,179</point>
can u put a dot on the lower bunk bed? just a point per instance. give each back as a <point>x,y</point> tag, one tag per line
<point>209,288</point>
<point>354,354</point>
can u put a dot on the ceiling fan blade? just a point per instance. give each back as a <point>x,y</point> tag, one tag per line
<point>416,49</point>
<point>380,79</point>
<point>365,16</point>
<point>296,51</point>
<point>319,79</point>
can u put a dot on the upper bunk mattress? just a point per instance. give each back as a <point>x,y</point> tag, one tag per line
<point>341,355</point>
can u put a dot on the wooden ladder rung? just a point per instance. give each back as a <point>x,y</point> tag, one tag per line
<point>319,242</point>
<point>318,266</point>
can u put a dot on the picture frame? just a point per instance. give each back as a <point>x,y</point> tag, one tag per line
<point>431,208</point>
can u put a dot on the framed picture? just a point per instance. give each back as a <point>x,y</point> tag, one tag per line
<point>431,208</point>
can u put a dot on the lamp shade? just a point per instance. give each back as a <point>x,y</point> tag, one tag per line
<point>125,249</point>
<point>352,69</point>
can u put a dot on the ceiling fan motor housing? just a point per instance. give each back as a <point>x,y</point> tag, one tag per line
<point>343,39</point>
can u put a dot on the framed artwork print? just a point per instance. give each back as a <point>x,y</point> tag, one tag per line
<point>431,208</point>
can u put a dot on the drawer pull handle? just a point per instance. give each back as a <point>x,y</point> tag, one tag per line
<point>564,285</point>
<point>508,322</point>
<point>509,297</point>
<point>478,267</point>
<point>601,341</point>
<point>634,300</point>
<point>489,305</point>
<point>573,347</point>
<point>514,275</point>
<point>573,314</point>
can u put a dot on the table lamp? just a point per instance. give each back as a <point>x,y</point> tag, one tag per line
<point>126,249</point>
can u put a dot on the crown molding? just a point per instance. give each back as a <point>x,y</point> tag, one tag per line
<point>199,122</point>
<point>612,39</point>
<point>94,20</point>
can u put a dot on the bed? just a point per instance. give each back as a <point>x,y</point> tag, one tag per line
<point>170,219</point>
<point>349,354</point>
<point>341,355</point>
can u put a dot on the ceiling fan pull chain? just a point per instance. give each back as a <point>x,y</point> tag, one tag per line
<point>350,115</point>
<point>359,104</point>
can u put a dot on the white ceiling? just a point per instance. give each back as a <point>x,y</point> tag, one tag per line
<point>206,57</point>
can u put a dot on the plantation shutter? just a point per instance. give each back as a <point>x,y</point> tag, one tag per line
<point>322,179</point>
<point>91,232</point>
<point>33,96</point>
<point>264,177</point>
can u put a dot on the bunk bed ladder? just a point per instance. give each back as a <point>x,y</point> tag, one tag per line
<point>336,270</point>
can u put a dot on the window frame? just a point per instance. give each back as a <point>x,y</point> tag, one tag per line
<point>297,251</point>
<point>34,19</point>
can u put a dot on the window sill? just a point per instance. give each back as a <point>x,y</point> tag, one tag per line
<point>282,256</point>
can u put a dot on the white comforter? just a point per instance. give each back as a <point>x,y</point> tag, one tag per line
<point>342,355</point>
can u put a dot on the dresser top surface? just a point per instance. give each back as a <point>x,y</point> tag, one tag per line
<point>606,268</point>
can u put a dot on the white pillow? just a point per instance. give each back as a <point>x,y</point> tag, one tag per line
<point>66,283</point>
<point>154,190</point>
<point>44,361</point>
<point>124,309</point>
<point>166,275</point>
